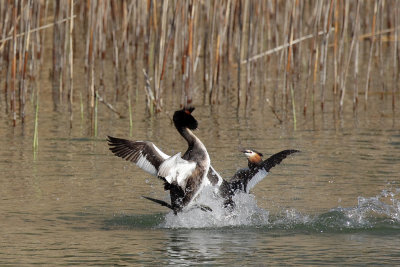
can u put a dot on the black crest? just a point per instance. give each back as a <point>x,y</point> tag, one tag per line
<point>184,118</point>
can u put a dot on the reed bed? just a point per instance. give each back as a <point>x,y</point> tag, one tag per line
<point>299,54</point>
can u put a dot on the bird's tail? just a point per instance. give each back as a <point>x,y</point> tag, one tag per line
<point>161,202</point>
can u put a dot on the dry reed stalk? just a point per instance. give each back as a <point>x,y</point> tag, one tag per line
<point>240,29</point>
<point>299,32</point>
<point>176,43</point>
<point>14,63</point>
<point>205,56</point>
<point>314,80</point>
<point>71,61</point>
<point>35,45</point>
<point>260,45</point>
<point>342,51</point>
<point>197,41</point>
<point>370,53</point>
<point>2,22</point>
<point>324,49</point>
<point>209,51</point>
<point>64,49</point>
<point>100,48</point>
<point>56,56</point>
<point>162,53</point>
<point>240,45</point>
<point>288,57</point>
<point>88,42</point>
<point>273,110</point>
<point>275,42</point>
<point>335,50</point>
<point>289,68</point>
<point>41,28</point>
<point>249,48</point>
<point>313,54</point>
<point>46,8</point>
<point>285,60</point>
<point>135,30</point>
<point>396,59</point>
<point>124,33</point>
<point>356,57</point>
<point>24,54</point>
<point>146,62</point>
<point>104,29</point>
<point>349,56</point>
<point>221,36</point>
<point>90,56</point>
<point>108,105</point>
<point>188,56</point>
<point>379,51</point>
<point>210,44</point>
<point>229,39</point>
<point>149,93</point>
<point>3,26</point>
<point>114,16</point>
<point>184,51</point>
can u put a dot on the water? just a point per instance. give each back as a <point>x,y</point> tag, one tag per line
<point>74,203</point>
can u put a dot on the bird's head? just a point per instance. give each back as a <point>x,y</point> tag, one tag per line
<point>252,155</point>
<point>184,118</point>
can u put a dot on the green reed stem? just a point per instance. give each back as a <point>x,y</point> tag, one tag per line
<point>130,114</point>
<point>95,115</point>
<point>35,134</point>
<point>293,108</point>
<point>80,95</point>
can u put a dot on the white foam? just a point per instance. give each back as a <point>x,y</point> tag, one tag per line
<point>383,208</point>
<point>245,213</point>
<point>384,205</point>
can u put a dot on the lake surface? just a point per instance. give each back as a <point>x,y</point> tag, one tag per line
<point>73,203</point>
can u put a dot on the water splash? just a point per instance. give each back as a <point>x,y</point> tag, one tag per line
<point>370,211</point>
<point>378,212</point>
<point>246,213</point>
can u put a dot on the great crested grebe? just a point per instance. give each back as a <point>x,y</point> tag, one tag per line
<point>245,179</point>
<point>184,176</point>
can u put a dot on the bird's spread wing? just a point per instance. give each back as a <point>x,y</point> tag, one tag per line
<point>277,158</point>
<point>259,173</point>
<point>245,179</point>
<point>176,170</point>
<point>144,154</point>
<point>255,177</point>
<point>213,177</point>
<point>240,179</point>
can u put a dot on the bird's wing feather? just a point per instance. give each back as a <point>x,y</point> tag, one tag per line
<point>277,158</point>
<point>255,178</point>
<point>213,177</point>
<point>175,169</point>
<point>143,153</point>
